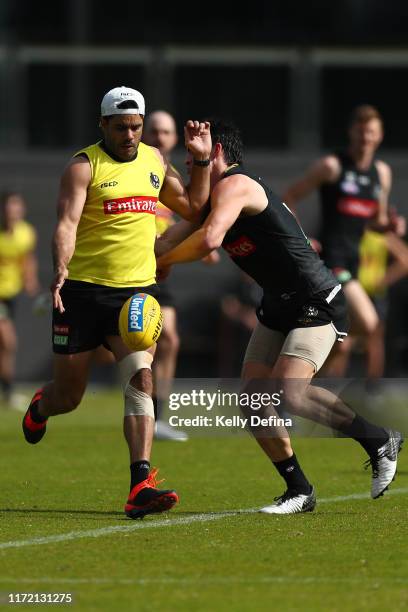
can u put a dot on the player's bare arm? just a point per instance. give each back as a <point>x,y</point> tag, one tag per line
<point>173,236</point>
<point>324,170</point>
<point>188,201</point>
<point>228,199</point>
<point>30,274</point>
<point>71,200</point>
<point>381,221</point>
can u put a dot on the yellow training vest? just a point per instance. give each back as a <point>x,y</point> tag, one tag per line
<point>373,262</point>
<point>116,233</point>
<point>14,246</point>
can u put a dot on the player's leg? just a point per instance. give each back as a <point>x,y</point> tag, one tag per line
<point>138,426</point>
<point>165,359</point>
<point>302,355</point>
<point>376,353</point>
<point>364,321</point>
<point>164,368</point>
<point>375,344</point>
<point>136,375</point>
<point>63,394</point>
<point>8,348</point>
<point>364,318</point>
<point>337,363</point>
<point>262,352</point>
<point>75,334</point>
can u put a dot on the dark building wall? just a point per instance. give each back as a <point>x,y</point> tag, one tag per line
<point>357,22</point>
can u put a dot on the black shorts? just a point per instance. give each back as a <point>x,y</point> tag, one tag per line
<point>91,314</point>
<point>7,308</point>
<point>285,314</point>
<point>166,294</point>
<point>344,266</point>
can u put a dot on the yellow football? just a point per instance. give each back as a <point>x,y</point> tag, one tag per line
<point>140,321</point>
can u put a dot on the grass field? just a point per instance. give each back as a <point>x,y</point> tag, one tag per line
<point>62,528</point>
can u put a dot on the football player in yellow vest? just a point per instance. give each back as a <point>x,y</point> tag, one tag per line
<point>376,274</point>
<point>103,251</point>
<point>18,272</point>
<point>160,131</point>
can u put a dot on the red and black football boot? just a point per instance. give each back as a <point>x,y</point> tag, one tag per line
<point>33,431</point>
<point>146,498</point>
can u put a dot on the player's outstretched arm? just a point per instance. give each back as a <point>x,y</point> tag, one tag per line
<point>188,201</point>
<point>173,236</point>
<point>71,200</point>
<point>30,274</point>
<point>382,221</point>
<point>197,139</point>
<point>29,266</point>
<point>324,170</point>
<point>227,201</point>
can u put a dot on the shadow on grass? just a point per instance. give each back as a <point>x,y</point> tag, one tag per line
<point>59,511</point>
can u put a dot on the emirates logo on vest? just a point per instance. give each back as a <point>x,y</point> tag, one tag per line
<point>131,204</point>
<point>242,247</point>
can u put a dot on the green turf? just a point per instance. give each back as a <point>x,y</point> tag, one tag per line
<point>347,555</point>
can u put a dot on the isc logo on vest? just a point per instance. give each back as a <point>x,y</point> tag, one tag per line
<point>109,184</point>
<point>136,314</point>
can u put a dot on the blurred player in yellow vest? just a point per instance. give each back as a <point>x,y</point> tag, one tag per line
<point>160,131</point>
<point>383,261</point>
<point>18,272</point>
<point>372,269</point>
<point>103,252</point>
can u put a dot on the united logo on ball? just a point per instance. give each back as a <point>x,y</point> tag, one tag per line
<point>140,321</point>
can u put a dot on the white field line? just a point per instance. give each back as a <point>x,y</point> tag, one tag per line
<point>167,522</point>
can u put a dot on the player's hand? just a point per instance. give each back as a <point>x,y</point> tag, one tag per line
<point>197,138</point>
<point>398,224</point>
<point>56,285</point>
<point>401,226</point>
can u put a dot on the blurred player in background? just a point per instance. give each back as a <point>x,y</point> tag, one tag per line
<point>237,322</point>
<point>160,131</point>
<point>383,262</point>
<point>301,316</point>
<point>103,252</point>
<point>354,187</point>
<point>18,272</point>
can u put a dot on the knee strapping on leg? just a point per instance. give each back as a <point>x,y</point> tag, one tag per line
<point>137,403</point>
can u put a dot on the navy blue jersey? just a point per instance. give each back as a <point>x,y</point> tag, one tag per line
<point>346,207</point>
<point>272,248</point>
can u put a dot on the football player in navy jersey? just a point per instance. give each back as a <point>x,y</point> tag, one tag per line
<point>301,315</point>
<point>354,187</point>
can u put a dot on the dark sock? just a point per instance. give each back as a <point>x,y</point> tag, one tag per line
<point>35,415</point>
<point>155,407</point>
<point>293,475</point>
<point>368,435</point>
<point>139,471</point>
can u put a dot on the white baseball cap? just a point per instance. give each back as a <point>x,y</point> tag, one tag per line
<point>112,100</point>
